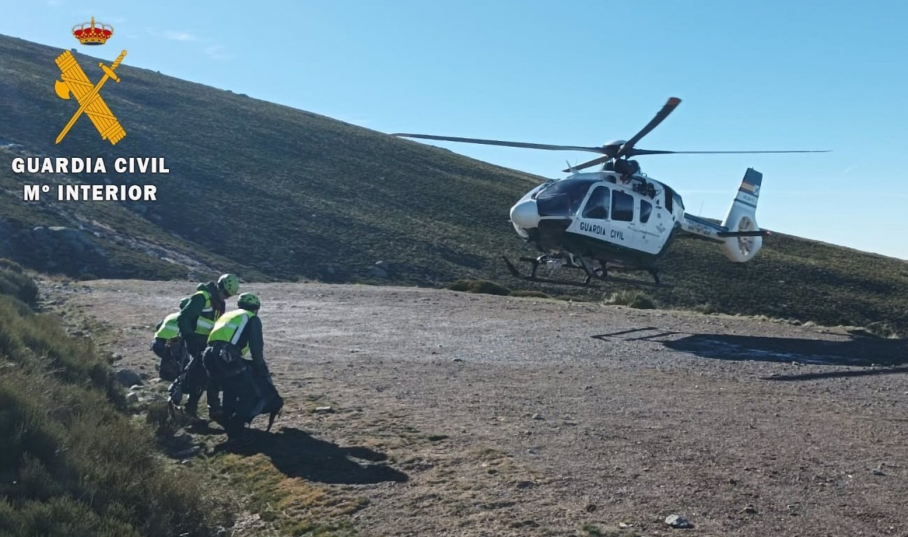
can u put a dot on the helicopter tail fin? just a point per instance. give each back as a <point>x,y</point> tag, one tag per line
<point>743,238</point>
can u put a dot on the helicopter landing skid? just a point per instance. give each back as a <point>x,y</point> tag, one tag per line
<point>591,274</point>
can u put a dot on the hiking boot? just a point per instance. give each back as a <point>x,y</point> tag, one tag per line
<point>239,441</point>
<point>192,412</point>
<point>216,414</point>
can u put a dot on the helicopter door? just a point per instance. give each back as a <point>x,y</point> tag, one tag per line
<point>623,230</point>
<point>598,204</point>
<point>593,221</point>
<point>647,238</point>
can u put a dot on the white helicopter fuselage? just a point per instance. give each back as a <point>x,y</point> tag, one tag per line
<point>645,224</point>
<point>614,210</point>
<point>628,219</point>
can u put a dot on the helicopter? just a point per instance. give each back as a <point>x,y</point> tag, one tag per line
<point>619,217</point>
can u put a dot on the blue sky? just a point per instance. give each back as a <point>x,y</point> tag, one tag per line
<point>751,75</point>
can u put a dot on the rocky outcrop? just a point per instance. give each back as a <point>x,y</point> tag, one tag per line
<point>59,248</point>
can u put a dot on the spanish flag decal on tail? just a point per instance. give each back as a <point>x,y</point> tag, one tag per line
<point>749,191</point>
<point>751,183</point>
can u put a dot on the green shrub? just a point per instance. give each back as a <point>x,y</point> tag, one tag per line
<point>10,265</point>
<point>529,293</point>
<point>162,424</point>
<point>461,285</point>
<point>490,288</point>
<point>632,299</point>
<point>479,286</point>
<point>16,284</point>
<point>63,441</point>
<point>58,516</point>
<point>40,343</point>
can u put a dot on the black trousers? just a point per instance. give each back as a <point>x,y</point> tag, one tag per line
<point>246,393</point>
<point>195,379</point>
<point>222,373</point>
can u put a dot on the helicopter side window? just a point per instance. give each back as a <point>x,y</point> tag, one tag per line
<point>646,208</point>
<point>597,205</point>
<point>622,206</point>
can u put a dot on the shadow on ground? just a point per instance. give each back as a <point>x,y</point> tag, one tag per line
<point>856,351</point>
<point>296,453</point>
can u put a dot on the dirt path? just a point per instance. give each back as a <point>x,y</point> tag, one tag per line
<point>457,414</point>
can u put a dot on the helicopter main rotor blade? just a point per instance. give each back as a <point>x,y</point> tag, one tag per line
<point>501,142</point>
<point>635,152</point>
<point>670,106</point>
<point>585,165</point>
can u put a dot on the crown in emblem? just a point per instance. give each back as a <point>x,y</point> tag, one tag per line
<point>90,33</point>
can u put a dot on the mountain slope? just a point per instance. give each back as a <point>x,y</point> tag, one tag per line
<point>277,193</point>
<point>303,192</point>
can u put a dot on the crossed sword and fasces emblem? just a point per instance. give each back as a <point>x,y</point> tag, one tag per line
<point>74,82</point>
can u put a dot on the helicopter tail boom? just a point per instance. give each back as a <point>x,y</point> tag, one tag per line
<point>738,235</point>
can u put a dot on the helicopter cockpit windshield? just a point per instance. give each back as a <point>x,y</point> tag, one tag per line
<point>562,198</point>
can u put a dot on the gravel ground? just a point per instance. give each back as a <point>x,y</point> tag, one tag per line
<point>458,414</point>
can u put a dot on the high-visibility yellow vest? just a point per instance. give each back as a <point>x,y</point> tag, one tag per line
<point>169,328</point>
<point>229,327</point>
<point>205,322</point>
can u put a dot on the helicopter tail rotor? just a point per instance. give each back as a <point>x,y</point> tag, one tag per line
<point>744,238</point>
